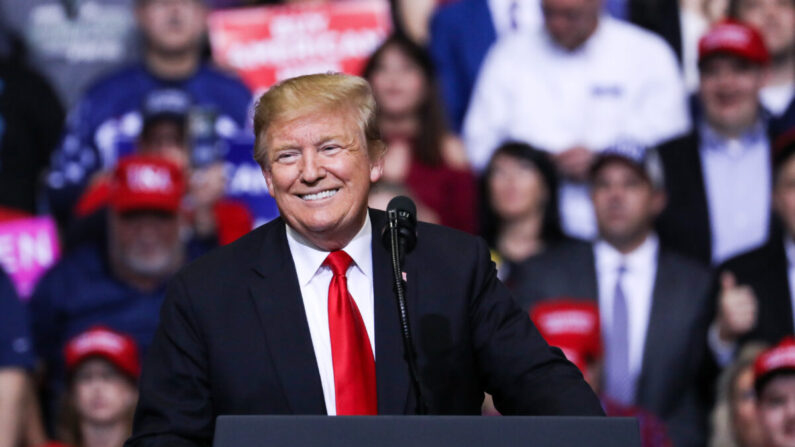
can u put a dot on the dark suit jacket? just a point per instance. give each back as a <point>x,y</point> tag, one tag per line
<point>462,32</point>
<point>765,270</point>
<point>675,338</point>
<point>684,224</point>
<point>234,339</point>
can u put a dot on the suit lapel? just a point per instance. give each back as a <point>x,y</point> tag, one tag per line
<point>273,285</point>
<point>700,217</point>
<point>392,379</point>
<point>780,298</point>
<point>662,327</point>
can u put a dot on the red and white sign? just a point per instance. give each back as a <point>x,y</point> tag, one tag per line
<point>267,44</point>
<point>28,247</point>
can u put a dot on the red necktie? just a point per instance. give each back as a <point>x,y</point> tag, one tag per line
<point>354,366</point>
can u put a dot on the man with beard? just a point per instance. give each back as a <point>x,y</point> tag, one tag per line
<point>122,284</point>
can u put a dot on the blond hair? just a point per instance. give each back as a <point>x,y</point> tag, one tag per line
<point>296,97</point>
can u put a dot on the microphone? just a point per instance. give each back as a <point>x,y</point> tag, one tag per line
<point>402,215</point>
<point>400,237</point>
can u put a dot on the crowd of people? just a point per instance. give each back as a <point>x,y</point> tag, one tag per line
<point>631,165</point>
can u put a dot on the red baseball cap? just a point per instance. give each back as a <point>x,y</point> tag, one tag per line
<point>734,38</point>
<point>571,325</point>
<point>776,359</point>
<point>146,183</point>
<point>117,348</point>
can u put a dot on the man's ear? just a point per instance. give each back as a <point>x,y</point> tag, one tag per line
<point>659,201</point>
<point>377,165</point>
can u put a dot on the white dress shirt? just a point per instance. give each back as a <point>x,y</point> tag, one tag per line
<point>314,280</point>
<point>525,14</point>
<point>638,286</point>
<point>776,98</point>
<point>622,85</point>
<point>737,182</point>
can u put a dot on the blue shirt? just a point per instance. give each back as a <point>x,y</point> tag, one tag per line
<point>80,292</point>
<point>107,121</point>
<point>737,183</point>
<point>16,345</point>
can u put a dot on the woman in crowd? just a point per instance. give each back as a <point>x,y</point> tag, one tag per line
<point>103,368</point>
<point>735,422</point>
<point>520,216</point>
<point>423,155</point>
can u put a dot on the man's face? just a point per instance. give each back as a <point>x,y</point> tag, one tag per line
<point>775,19</point>
<point>784,194</point>
<point>777,411</point>
<point>570,22</point>
<point>729,92</point>
<point>146,243</point>
<point>624,202</point>
<point>319,171</point>
<point>172,26</point>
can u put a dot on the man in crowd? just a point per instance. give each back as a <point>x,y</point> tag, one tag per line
<point>290,318</point>
<point>719,204</point>
<point>16,359</point>
<point>72,43</point>
<point>775,20</point>
<point>582,83</point>
<point>774,381</point>
<point>653,303</point>
<point>756,289</point>
<point>107,120</point>
<point>121,283</point>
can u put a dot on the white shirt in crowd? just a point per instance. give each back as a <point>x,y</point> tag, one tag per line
<point>513,15</point>
<point>776,98</point>
<point>622,86</point>
<point>737,183</point>
<point>314,280</point>
<point>637,284</point>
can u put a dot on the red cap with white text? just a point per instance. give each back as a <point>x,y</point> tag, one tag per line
<point>734,38</point>
<point>121,350</point>
<point>777,359</point>
<point>571,325</point>
<point>146,183</point>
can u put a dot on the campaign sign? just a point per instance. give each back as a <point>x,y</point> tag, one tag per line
<point>267,44</point>
<point>28,247</point>
<point>245,182</point>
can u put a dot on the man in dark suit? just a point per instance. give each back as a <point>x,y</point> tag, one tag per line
<point>719,194</point>
<point>263,326</point>
<point>653,304</point>
<point>756,289</point>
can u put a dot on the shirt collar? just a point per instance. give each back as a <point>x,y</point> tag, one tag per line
<point>309,259</point>
<point>711,140</point>
<point>640,259</point>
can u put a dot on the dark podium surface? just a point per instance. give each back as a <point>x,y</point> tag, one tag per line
<point>425,431</point>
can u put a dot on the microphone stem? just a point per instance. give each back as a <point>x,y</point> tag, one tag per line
<point>397,251</point>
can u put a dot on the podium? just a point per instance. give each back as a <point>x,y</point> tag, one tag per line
<point>425,431</point>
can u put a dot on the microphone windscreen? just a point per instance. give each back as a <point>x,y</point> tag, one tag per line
<point>405,208</point>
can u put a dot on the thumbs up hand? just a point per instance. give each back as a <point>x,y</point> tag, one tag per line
<point>737,308</point>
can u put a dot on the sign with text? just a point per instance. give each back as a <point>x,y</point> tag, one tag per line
<point>28,247</point>
<point>267,44</point>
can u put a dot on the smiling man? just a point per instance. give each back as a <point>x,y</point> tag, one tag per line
<point>299,317</point>
<point>719,205</point>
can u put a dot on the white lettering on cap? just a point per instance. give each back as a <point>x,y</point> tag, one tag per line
<point>103,341</point>
<point>571,321</point>
<point>728,35</point>
<point>783,358</point>
<point>146,178</point>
